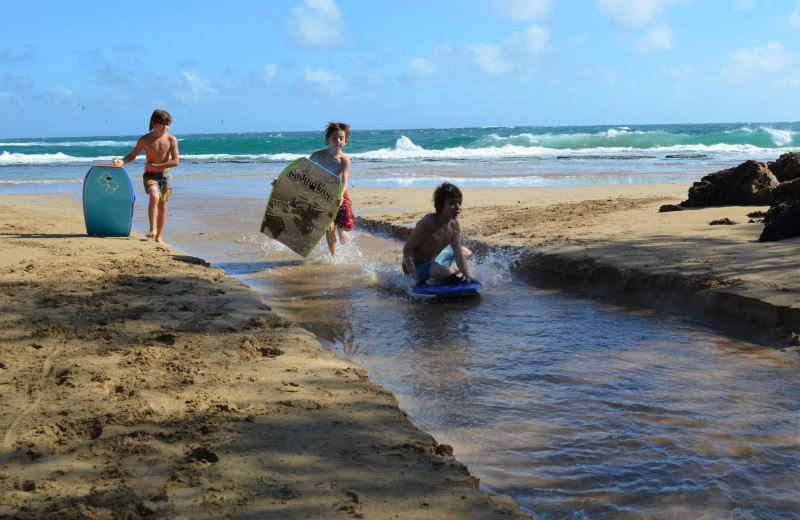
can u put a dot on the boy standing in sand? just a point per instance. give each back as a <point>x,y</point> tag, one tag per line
<point>432,234</point>
<point>332,159</point>
<point>161,154</point>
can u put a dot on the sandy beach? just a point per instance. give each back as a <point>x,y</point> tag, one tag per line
<point>138,381</point>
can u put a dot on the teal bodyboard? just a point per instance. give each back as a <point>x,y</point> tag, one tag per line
<point>302,205</point>
<point>108,201</point>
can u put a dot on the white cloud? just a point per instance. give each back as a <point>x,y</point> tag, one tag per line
<point>741,5</point>
<point>519,51</point>
<point>532,41</point>
<point>420,68</point>
<point>680,73</point>
<point>442,61</point>
<point>577,41</point>
<point>268,72</point>
<point>229,84</point>
<point>752,62</point>
<point>792,81</point>
<point>490,58</point>
<point>794,18</point>
<point>607,76</point>
<point>197,90</point>
<point>327,81</point>
<point>316,24</point>
<point>633,13</point>
<point>62,91</point>
<point>658,39</point>
<point>521,10</point>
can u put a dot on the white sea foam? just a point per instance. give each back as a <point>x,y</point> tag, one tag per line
<point>21,159</point>
<point>416,153</point>
<point>406,151</point>
<point>222,157</point>
<point>779,137</point>
<point>43,181</point>
<point>87,144</point>
<point>405,144</point>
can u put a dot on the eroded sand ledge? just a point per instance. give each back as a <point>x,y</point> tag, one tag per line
<point>613,239</point>
<point>136,381</point>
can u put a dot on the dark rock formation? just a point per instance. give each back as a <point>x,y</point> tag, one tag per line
<point>750,183</point>
<point>783,218</point>
<point>787,167</point>
<point>722,222</point>
<point>670,207</point>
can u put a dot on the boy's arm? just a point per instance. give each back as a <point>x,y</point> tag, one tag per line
<point>131,156</point>
<point>414,241</point>
<point>458,255</point>
<point>173,157</point>
<point>345,176</point>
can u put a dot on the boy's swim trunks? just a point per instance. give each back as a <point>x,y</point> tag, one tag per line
<point>423,271</point>
<point>162,181</point>
<point>345,218</point>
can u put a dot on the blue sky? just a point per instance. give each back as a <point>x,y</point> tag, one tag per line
<point>77,68</point>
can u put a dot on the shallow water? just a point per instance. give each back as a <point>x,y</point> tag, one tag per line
<point>577,407</point>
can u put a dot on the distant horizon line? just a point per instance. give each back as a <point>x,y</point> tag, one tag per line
<point>400,129</point>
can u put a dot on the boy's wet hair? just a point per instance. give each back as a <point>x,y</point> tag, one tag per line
<point>335,126</point>
<point>443,192</point>
<point>160,117</point>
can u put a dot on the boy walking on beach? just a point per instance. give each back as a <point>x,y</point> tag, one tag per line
<point>161,154</point>
<point>334,160</point>
<point>432,234</point>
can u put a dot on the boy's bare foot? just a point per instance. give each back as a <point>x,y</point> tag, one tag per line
<point>159,240</point>
<point>151,234</point>
<point>343,238</point>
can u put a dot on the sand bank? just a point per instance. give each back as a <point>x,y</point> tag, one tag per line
<point>614,239</point>
<point>137,381</point>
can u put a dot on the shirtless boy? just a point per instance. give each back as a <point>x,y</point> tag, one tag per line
<point>161,153</point>
<point>432,234</point>
<point>332,159</point>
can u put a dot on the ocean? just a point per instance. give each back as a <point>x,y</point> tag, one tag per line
<point>473,157</point>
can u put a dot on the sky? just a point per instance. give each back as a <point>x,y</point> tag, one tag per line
<point>94,68</point>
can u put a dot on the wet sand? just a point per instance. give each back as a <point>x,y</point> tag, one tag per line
<point>135,380</point>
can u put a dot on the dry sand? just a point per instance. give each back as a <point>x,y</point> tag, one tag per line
<point>137,381</point>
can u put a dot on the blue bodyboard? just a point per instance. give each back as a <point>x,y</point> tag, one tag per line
<point>456,289</point>
<point>108,201</point>
<point>446,257</point>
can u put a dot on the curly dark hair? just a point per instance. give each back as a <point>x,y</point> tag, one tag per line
<point>443,192</point>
